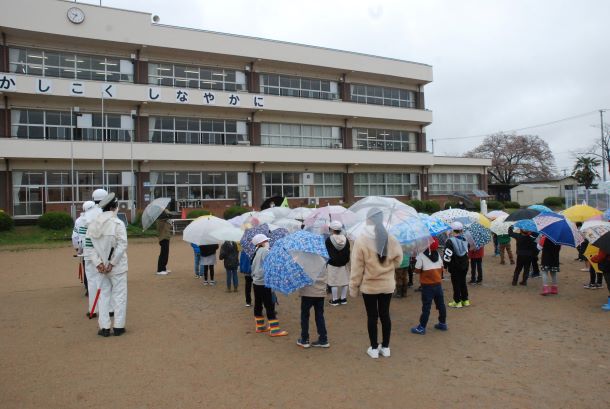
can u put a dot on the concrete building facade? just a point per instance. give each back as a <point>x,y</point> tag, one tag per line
<point>94,96</point>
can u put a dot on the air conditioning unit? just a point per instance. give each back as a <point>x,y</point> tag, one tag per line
<point>416,194</point>
<point>245,198</point>
<point>337,145</point>
<point>313,201</point>
<point>124,205</point>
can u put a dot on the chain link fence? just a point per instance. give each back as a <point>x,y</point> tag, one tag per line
<point>598,198</point>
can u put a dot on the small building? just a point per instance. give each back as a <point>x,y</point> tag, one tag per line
<point>533,193</point>
<point>563,182</point>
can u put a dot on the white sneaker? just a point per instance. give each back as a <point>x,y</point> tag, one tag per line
<point>161,273</point>
<point>385,352</point>
<point>205,282</point>
<point>373,353</point>
<point>168,271</point>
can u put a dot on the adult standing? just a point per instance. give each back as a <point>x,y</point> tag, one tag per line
<point>375,256</point>
<point>78,241</point>
<point>109,254</point>
<point>164,232</point>
<point>91,274</point>
<point>337,268</point>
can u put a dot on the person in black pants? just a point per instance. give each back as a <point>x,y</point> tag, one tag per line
<point>526,251</point>
<point>246,269</point>
<point>164,232</point>
<point>455,258</point>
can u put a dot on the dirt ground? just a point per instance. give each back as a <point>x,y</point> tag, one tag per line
<point>189,346</point>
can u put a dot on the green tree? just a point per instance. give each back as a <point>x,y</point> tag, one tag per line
<point>585,170</point>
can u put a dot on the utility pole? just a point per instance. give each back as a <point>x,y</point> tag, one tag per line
<point>604,147</point>
<point>432,140</point>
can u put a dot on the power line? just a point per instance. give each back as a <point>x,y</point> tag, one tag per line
<point>520,129</point>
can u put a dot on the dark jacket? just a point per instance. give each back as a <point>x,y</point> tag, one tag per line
<point>550,253</point>
<point>208,249</point>
<point>230,255</point>
<point>526,244</point>
<point>338,258</point>
<point>455,256</point>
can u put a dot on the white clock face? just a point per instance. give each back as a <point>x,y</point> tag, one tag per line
<point>76,15</point>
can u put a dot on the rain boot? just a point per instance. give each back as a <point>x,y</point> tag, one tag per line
<point>554,289</point>
<point>274,329</point>
<point>546,290</point>
<point>606,307</point>
<point>260,324</point>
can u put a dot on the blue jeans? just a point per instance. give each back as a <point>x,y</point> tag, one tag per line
<point>318,306</point>
<point>231,276</point>
<point>197,269</point>
<point>428,294</point>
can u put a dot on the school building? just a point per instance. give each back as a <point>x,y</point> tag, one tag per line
<point>95,96</point>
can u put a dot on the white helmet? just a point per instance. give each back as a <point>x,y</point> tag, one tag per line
<point>259,238</point>
<point>457,226</point>
<point>335,225</point>
<point>88,205</point>
<point>99,194</point>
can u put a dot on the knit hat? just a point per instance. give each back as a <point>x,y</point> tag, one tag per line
<point>434,244</point>
<point>336,225</point>
<point>259,239</point>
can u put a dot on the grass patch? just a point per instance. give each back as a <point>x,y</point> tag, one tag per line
<point>36,236</point>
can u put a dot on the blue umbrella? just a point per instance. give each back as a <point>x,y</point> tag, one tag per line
<point>246,240</point>
<point>540,208</point>
<point>477,235</point>
<point>412,234</point>
<point>558,229</point>
<point>295,261</point>
<point>606,215</point>
<point>435,226</point>
<point>526,224</point>
<point>277,234</point>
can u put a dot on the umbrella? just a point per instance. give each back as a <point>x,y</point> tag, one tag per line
<point>240,220</point>
<point>228,234</point>
<point>606,215</point>
<point>580,213</point>
<point>412,234</point>
<point>434,225</point>
<point>272,202</point>
<point>451,215</point>
<point>295,261</point>
<point>477,235</point>
<point>558,229</point>
<point>276,235</point>
<point>300,213</point>
<point>291,225</point>
<point>540,208</point>
<point>153,211</point>
<point>481,219</point>
<point>318,221</point>
<point>494,214</point>
<point>274,213</point>
<point>598,234</point>
<point>522,214</point>
<point>200,231</point>
<point>382,203</point>
<point>500,226</point>
<point>526,224</point>
<point>246,240</point>
<point>391,218</point>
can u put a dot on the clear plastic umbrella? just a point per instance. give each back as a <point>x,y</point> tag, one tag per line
<point>382,203</point>
<point>228,234</point>
<point>154,210</point>
<point>300,213</point>
<point>208,230</point>
<point>291,225</point>
<point>500,226</point>
<point>320,218</point>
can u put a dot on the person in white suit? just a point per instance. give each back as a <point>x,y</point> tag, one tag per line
<point>78,242</point>
<point>108,236</point>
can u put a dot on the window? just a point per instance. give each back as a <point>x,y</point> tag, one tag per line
<point>302,136</point>
<point>447,183</point>
<point>385,184</point>
<point>190,188</point>
<point>376,95</point>
<point>285,85</point>
<point>33,188</point>
<point>57,125</point>
<point>384,140</point>
<point>69,65</point>
<point>197,131</point>
<point>184,76</point>
<point>290,184</point>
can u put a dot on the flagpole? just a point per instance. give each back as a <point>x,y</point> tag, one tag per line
<point>103,143</point>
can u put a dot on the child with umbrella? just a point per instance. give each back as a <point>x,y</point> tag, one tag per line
<point>549,264</point>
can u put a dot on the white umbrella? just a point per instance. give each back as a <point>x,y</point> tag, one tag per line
<point>385,204</point>
<point>494,214</point>
<point>227,234</point>
<point>291,225</point>
<point>209,230</point>
<point>276,213</point>
<point>319,220</point>
<point>499,226</point>
<point>300,213</point>
<point>153,211</point>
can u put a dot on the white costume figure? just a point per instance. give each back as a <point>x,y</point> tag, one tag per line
<point>91,273</point>
<point>78,242</point>
<point>108,254</point>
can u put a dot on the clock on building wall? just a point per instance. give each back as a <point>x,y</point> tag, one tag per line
<point>76,15</point>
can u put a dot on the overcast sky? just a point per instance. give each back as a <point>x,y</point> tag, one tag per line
<point>497,64</point>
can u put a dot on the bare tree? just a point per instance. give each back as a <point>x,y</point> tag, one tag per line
<point>515,157</point>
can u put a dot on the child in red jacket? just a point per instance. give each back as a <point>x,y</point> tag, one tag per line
<point>476,265</point>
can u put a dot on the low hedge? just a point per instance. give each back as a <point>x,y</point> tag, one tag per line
<point>430,206</point>
<point>55,221</point>
<point>193,214</point>
<point>511,205</point>
<point>233,211</point>
<point>6,222</point>
<point>554,201</point>
<point>416,204</point>
<point>495,205</point>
